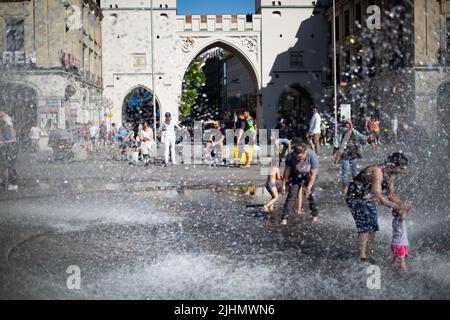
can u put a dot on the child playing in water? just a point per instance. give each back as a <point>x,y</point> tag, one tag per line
<point>271,187</point>
<point>400,241</point>
<point>146,145</point>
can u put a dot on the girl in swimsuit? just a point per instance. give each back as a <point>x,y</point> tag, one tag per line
<point>271,187</point>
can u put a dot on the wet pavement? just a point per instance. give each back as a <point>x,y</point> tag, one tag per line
<point>197,232</point>
<point>207,244</point>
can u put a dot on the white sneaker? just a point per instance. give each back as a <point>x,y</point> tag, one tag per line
<point>13,187</point>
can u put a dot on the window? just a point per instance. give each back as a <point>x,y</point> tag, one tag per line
<point>276,14</point>
<point>448,32</point>
<point>338,69</point>
<point>330,31</point>
<point>336,22</point>
<point>330,70</point>
<point>359,63</point>
<point>296,59</point>
<point>358,16</point>
<point>139,60</point>
<point>249,18</point>
<point>15,34</point>
<point>346,23</point>
<point>347,69</point>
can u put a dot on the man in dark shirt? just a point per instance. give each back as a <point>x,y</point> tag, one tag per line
<point>284,138</point>
<point>302,166</point>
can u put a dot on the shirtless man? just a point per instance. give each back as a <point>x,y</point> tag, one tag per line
<point>367,189</point>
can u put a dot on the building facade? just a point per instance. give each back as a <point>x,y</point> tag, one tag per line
<point>282,45</point>
<point>50,62</point>
<point>401,68</point>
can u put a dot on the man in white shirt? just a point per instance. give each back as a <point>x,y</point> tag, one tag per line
<point>394,127</point>
<point>314,130</point>
<point>35,135</point>
<point>93,130</point>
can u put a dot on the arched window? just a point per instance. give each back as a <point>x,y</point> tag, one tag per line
<point>276,14</point>
<point>164,16</point>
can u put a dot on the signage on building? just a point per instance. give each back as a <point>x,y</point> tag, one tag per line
<point>346,112</point>
<point>15,58</point>
<point>68,60</point>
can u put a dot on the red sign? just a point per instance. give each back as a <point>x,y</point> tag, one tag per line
<point>69,60</point>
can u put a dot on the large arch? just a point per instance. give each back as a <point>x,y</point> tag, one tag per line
<point>137,106</point>
<point>234,50</point>
<point>221,43</point>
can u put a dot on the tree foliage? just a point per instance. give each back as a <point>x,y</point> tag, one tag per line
<point>193,81</point>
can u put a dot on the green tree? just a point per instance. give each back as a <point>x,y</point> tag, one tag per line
<point>193,81</point>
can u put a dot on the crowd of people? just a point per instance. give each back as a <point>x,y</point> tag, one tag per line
<point>373,185</point>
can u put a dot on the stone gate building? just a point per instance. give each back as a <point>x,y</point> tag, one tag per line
<point>283,46</point>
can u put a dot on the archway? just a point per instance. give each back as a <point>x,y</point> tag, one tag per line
<point>231,83</point>
<point>294,105</point>
<point>138,107</point>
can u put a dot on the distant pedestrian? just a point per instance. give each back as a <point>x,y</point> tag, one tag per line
<point>248,126</point>
<point>147,143</point>
<point>347,149</point>
<point>394,128</point>
<point>285,137</point>
<point>216,141</point>
<point>93,131</point>
<point>323,133</point>
<point>314,130</point>
<point>8,154</point>
<point>35,135</point>
<point>375,129</point>
<point>103,134</point>
<point>169,138</point>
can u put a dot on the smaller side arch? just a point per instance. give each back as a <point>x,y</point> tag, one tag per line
<point>144,105</point>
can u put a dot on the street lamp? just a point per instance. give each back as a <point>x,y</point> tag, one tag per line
<point>334,69</point>
<point>153,69</point>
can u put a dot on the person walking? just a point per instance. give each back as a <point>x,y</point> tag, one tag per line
<point>302,167</point>
<point>103,134</point>
<point>347,149</point>
<point>249,127</point>
<point>93,131</point>
<point>285,137</point>
<point>8,153</point>
<point>364,193</point>
<point>169,138</point>
<point>147,142</point>
<point>314,130</point>
<point>394,128</point>
<point>35,135</point>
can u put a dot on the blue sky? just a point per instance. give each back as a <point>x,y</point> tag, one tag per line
<point>215,6</point>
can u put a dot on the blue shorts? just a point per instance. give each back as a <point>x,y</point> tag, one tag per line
<point>283,141</point>
<point>269,186</point>
<point>364,213</point>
